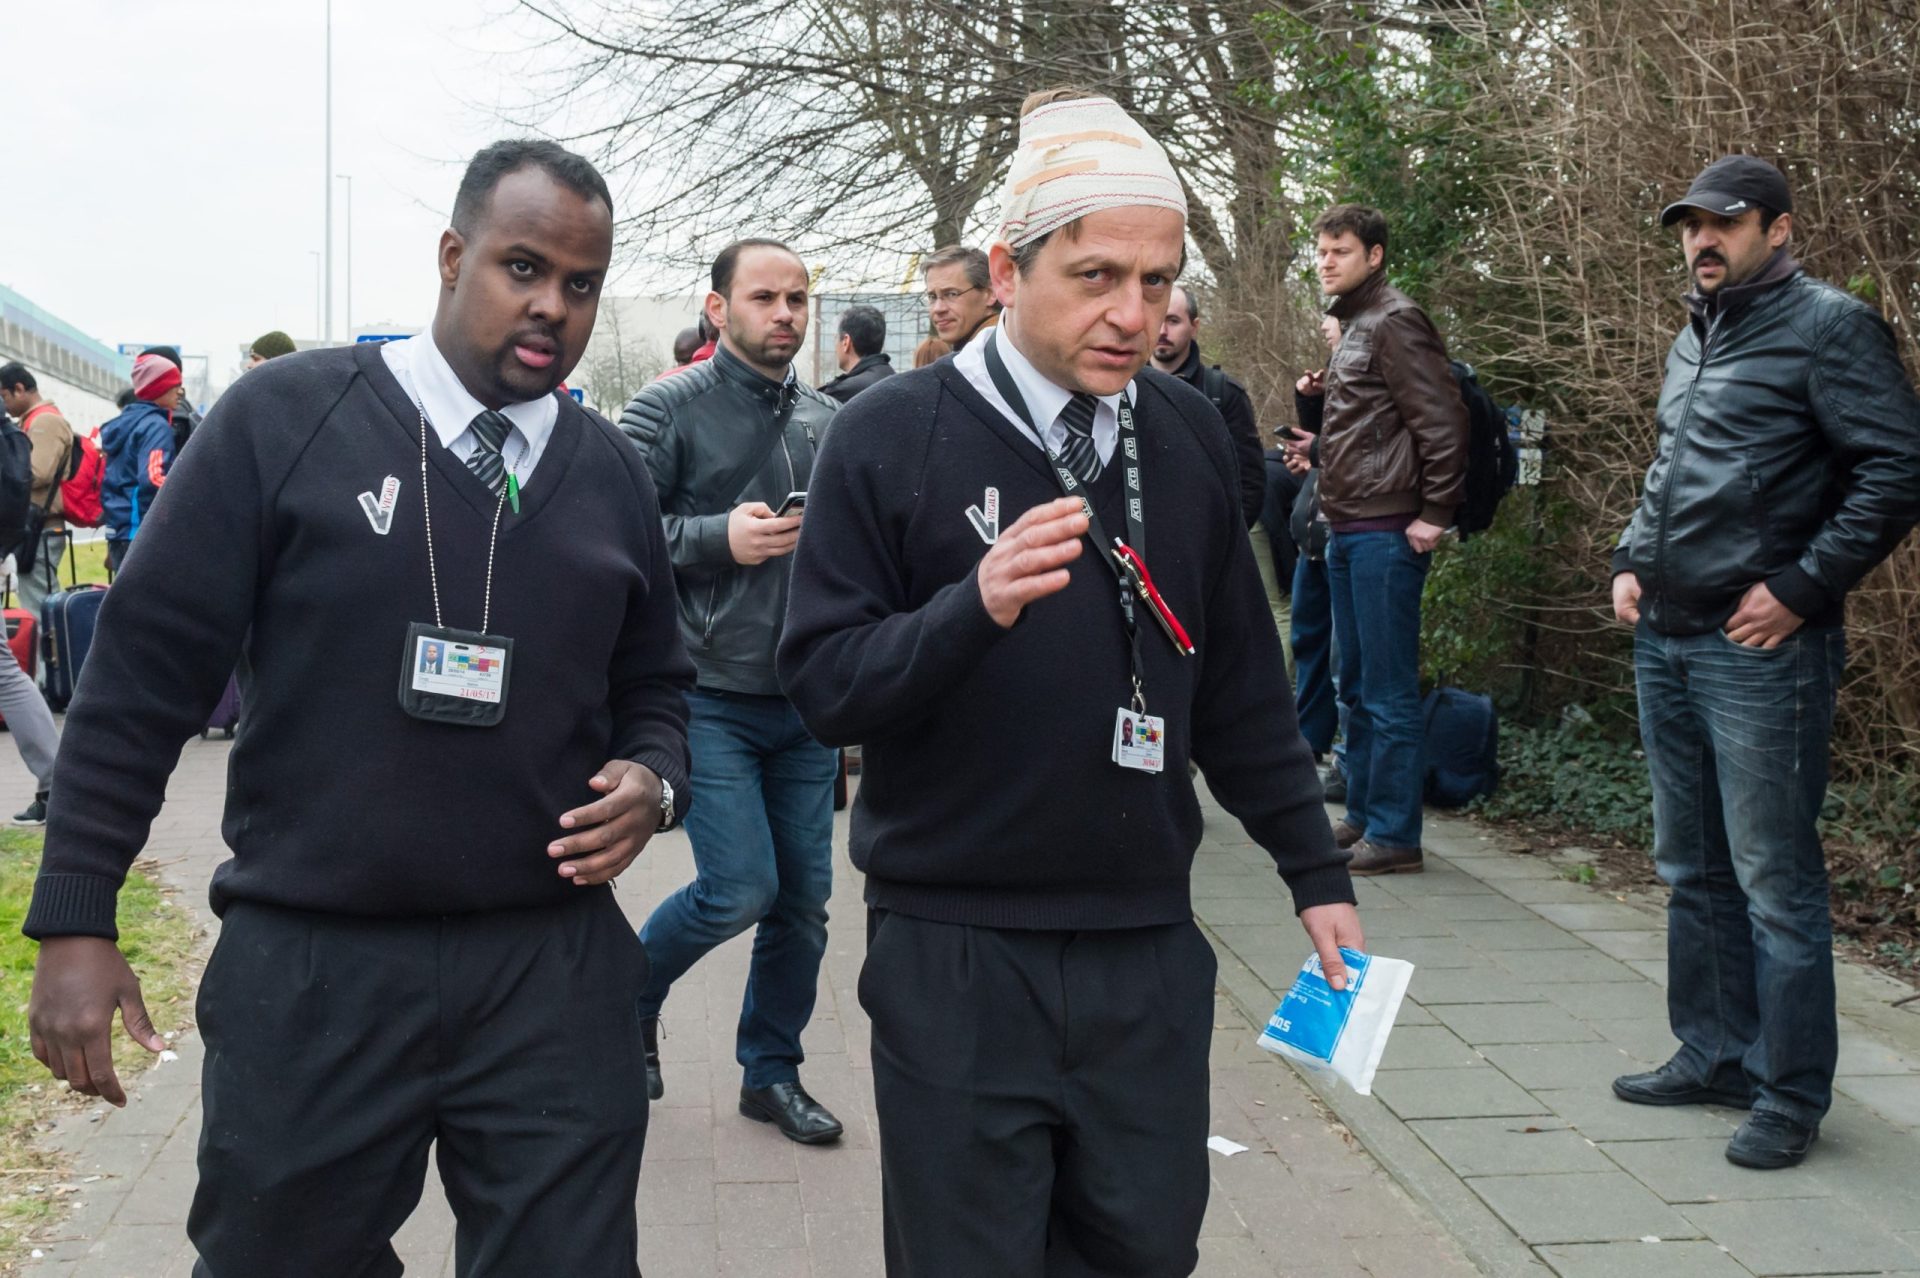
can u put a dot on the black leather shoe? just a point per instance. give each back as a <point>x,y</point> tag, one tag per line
<point>1665,1086</point>
<point>787,1106</point>
<point>650,1048</point>
<point>1768,1141</point>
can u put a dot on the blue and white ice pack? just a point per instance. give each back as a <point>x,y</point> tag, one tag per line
<point>1341,1032</point>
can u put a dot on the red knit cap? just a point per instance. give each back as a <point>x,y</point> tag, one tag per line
<point>154,376</point>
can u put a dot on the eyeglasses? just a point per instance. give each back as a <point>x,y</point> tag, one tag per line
<point>948,295</point>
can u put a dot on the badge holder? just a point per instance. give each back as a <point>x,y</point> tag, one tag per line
<point>452,676</point>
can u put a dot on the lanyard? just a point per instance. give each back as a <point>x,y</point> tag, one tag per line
<point>1124,558</point>
<point>493,539</point>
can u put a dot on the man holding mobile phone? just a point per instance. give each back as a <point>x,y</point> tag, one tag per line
<point>730,444</point>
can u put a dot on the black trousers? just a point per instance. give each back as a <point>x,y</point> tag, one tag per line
<point>339,1048</point>
<point>1042,1098</point>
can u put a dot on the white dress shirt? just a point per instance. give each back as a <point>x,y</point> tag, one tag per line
<point>1045,400</point>
<point>431,383</point>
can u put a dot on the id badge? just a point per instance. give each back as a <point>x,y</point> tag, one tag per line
<point>455,676</point>
<point>1139,740</point>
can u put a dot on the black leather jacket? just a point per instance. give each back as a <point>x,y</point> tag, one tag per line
<point>713,437</point>
<point>1789,454</point>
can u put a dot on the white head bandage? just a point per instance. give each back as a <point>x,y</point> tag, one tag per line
<point>1077,157</point>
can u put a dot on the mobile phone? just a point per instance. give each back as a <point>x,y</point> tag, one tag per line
<point>793,502</point>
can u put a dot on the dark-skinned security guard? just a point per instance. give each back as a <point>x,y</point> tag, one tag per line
<point>449,595</point>
<point>1030,684</point>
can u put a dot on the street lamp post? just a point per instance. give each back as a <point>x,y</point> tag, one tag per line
<point>348,179</point>
<point>315,254</point>
<point>326,333</point>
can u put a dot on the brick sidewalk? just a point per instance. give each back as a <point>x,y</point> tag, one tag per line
<point>724,1196</point>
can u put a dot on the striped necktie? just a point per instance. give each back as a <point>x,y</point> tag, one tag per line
<point>1081,457</point>
<point>490,430</point>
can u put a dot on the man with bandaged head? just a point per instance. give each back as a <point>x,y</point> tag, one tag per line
<point>1026,586</point>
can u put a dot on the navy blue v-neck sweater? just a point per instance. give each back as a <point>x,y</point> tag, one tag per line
<point>988,795</point>
<point>337,800</point>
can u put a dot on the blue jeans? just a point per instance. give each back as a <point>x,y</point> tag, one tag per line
<point>1376,579</point>
<point>1313,653</point>
<point>1736,742</point>
<point>761,826</point>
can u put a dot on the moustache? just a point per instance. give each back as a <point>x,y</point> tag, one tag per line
<point>1708,257</point>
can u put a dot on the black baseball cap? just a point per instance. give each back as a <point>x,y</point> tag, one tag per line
<point>1730,187</point>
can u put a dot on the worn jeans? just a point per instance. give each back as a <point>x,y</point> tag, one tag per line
<point>1376,580</point>
<point>1736,742</point>
<point>761,826</point>
<point>1313,654</point>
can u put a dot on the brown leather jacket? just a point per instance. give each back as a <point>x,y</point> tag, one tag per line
<point>1395,439</point>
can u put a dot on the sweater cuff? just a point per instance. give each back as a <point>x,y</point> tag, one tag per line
<point>73,905</point>
<point>1322,885</point>
<point>1622,560</point>
<point>1796,588</point>
<point>668,769</point>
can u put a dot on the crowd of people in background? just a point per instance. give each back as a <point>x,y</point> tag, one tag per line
<point>948,566</point>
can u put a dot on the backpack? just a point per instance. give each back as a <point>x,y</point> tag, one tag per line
<point>1493,463</point>
<point>80,490</point>
<point>1213,382</point>
<point>1463,747</point>
<point>16,488</point>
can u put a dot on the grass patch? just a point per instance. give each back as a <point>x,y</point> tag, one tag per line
<point>85,560</point>
<point>160,939</point>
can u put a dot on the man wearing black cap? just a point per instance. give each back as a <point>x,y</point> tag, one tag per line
<point>1788,466</point>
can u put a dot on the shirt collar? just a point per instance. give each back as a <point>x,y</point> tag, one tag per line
<point>450,407</point>
<point>1044,398</point>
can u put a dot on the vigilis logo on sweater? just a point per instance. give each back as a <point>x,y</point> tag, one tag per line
<point>380,513</point>
<point>987,522</point>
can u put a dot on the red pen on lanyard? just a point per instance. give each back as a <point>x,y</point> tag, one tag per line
<point>1136,570</point>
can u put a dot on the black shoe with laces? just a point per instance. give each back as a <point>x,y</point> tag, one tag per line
<point>1768,1141</point>
<point>36,813</point>
<point>787,1106</point>
<point>1667,1086</point>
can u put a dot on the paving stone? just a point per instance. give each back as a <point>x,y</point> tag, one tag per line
<point>753,1216</point>
<point>1553,1065</point>
<point>1580,1207</point>
<point>845,1244</point>
<point>1631,944</point>
<point>1480,1092</point>
<point>1599,916</point>
<point>1611,1000</point>
<point>1862,1053</point>
<point>1400,924</point>
<point>1236,1257</point>
<point>1439,879</point>
<point>675,1251</point>
<point>1528,934</point>
<point>775,1262</point>
<point>1558,891</point>
<point>1654,970</point>
<point>1895,1098</point>
<point>1489,1023</point>
<point>677,1193</point>
<point>1642,1260</point>
<point>1482,905</point>
<point>1646,1040</point>
<point>1427,1047</point>
<point>1478,985</point>
<point>1697,1171</point>
<point>1801,1236</point>
<point>1507,867</point>
<point>1564,967</point>
<point>1601,1116</point>
<point>1539,1145</point>
<point>1428,953</point>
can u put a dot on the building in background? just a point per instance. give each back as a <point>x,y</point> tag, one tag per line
<point>907,325</point>
<point>76,372</point>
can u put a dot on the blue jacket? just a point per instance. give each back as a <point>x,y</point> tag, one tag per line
<point>139,448</point>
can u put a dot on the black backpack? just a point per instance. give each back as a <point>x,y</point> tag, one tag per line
<point>1493,463</point>
<point>16,488</point>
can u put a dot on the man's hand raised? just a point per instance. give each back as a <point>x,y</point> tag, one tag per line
<point>755,534</point>
<point>78,983</point>
<point>1029,561</point>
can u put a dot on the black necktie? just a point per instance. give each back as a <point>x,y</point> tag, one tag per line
<point>1081,457</point>
<point>490,430</point>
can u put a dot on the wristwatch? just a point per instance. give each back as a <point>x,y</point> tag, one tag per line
<point>666,804</point>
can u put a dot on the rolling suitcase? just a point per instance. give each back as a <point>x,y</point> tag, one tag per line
<point>66,632</point>
<point>22,627</point>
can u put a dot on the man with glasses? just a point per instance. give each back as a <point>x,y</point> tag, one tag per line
<point>959,294</point>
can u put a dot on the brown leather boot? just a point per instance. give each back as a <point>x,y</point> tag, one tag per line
<point>1370,858</point>
<point>1346,835</point>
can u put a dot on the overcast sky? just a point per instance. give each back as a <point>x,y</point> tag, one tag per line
<point>164,162</point>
